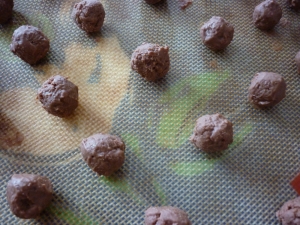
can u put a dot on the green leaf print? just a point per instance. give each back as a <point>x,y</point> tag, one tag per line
<point>121,185</point>
<point>182,104</point>
<point>193,168</point>
<point>238,138</point>
<point>132,142</point>
<point>70,217</point>
<point>160,192</point>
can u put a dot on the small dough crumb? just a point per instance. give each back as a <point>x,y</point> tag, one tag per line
<point>184,3</point>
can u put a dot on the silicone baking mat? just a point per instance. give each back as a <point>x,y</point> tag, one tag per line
<point>246,184</point>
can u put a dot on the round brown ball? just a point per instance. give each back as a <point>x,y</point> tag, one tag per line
<point>216,33</point>
<point>297,60</point>
<point>266,90</point>
<point>104,153</point>
<point>28,195</point>
<point>59,96</point>
<point>6,10</point>
<point>151,2</point>
<point>89,15</point>
<point>288,213</point>
<point>30,44</point>
<point>267,14</point>
<point>212,133</point>
<point>166,215</point>
<point>294,4</point>
<point>151,61</point>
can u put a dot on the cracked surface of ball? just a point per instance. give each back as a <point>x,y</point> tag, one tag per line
<point>267,14</point>
<point>266,90</point>
<point>104,153</point>
<point>151,61</point>
<point>30,44</point>
<point>217,33</point>
<point>28,195</point>
<point>89,15</point>
<point>212,133</point>
<point>58,96</point>
<point>166,215</point>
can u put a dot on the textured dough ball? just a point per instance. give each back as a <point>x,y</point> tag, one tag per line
<point>297,60</point>
<point>212,133</point>
<point>28,195</point>
<point>216,33</point>
<point>267,14</point>
<point>294,4</point>
<point>104,153</point>
<point>166,215</point>
<point>289,214</point>
<point>6,10</point>
<point>89,15</point>
<point>151,61</point>
<point>152,1</point>
<point>59,96</point>
<point>266,90</point>
<point>30,44</point>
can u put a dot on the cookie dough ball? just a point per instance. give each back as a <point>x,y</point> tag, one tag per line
<point>294,4</point>
<point>266,90</point>
<point>30,44</point>
<point>216,33</point>
<point>104,153</point>
<point>267,14</point>
<point>289,212</point>
<point>28,195</point>
<point>166,215</point>
<point>89,15</point>
<point>6,10</point>
<point>297,59</point>
<point>59,96</point>
<point>212,133</point>
<point>151,2</point>
<point>151,61</point>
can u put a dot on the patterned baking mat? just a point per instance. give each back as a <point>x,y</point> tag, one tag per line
<point>244,185</point>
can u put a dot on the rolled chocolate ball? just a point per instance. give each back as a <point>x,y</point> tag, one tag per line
<point>266,90</point>
<point>6,10</point>
<point>28,195</point>
<point>104,153</point>
<point>89,15</point>
<point>217,33</point>
<point>166,215</point>
<point>212,133</point>
<point>289,212</point>
<point>30,44</point>
<point>297,60</point>
<point>267,14</point>
<point>59,96</point>
<point>151,61</point>
<point>151,2</point>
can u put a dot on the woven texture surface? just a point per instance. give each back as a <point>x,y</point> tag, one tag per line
<point>245,185</point>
